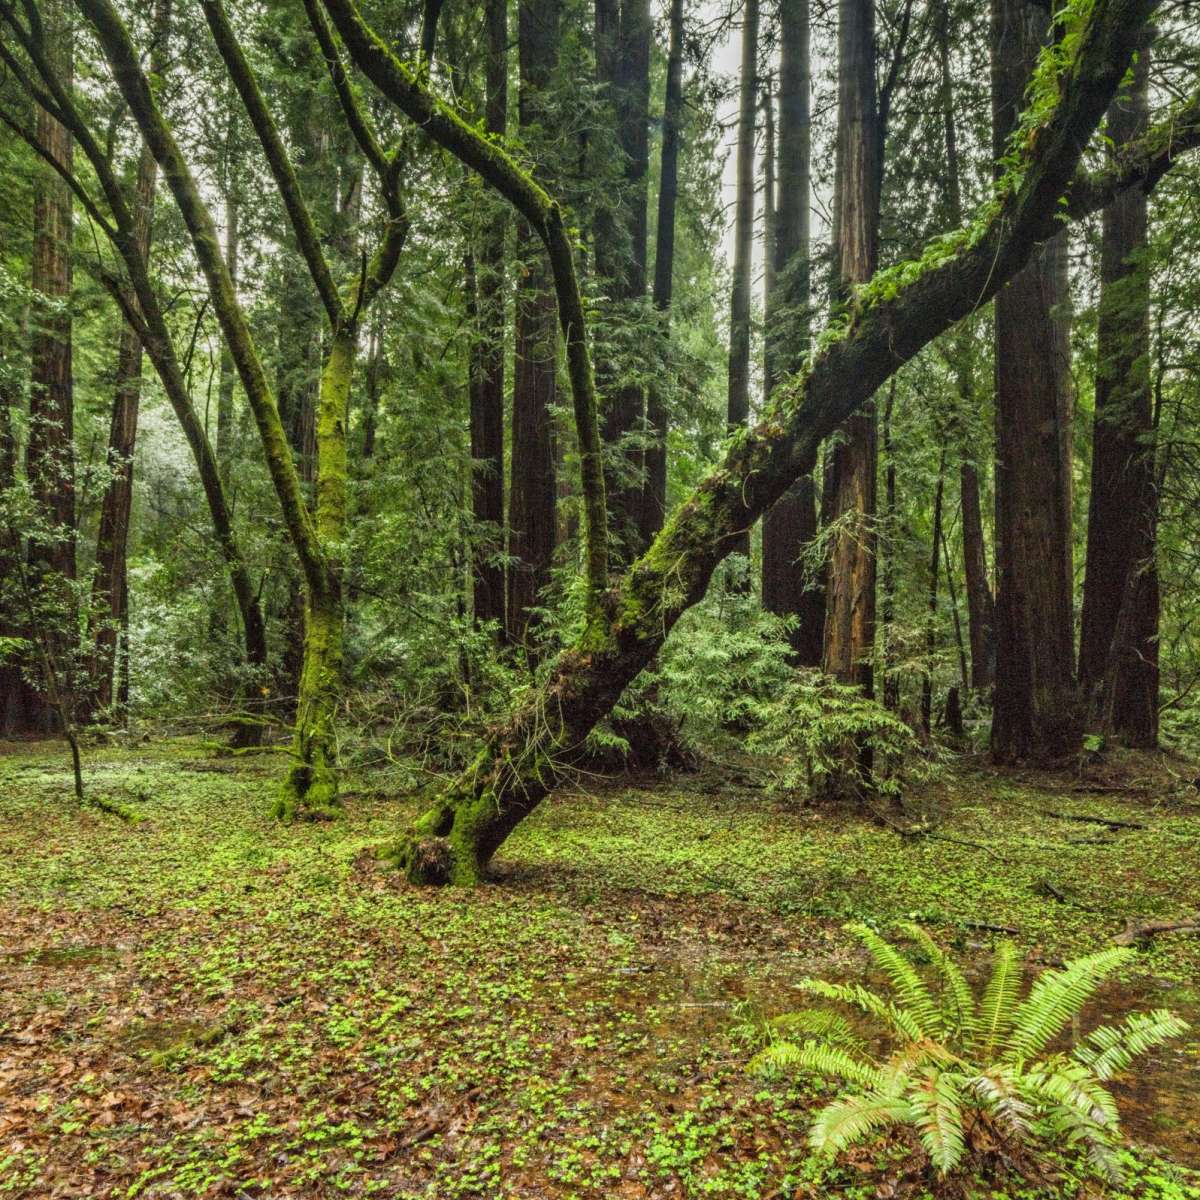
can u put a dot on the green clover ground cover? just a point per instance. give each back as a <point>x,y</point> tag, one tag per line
<point>205,1003</point>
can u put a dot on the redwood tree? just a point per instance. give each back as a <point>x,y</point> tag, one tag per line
<point>1118,672</point>
<point>1035,714</point>
<point>531,515</point>
<point>792,523</point>
<point>850,593</point>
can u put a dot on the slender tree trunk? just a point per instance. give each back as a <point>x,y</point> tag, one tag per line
<point>935,549</point>
<point>1118,648</point>
<point>311,788</point>
<point>531,518</point>
<point>737,411</point>
<point>110,587</point>
<point>891,679</point>
<point>850,598</point>
<point>623,34</point>
<point>228,375</point>
<point>487,356</point>
<point>981,608</point>
<point>654,499</point>
<point>1036,712</point>
<point>13,694</point>
<point>792,523</point>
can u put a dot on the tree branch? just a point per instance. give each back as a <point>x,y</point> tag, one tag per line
<point>488,157</point>
<point>308,240</point>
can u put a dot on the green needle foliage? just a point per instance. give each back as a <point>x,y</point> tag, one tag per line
<point>965,1074</point>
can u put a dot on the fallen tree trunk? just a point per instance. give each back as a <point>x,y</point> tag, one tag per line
<point>890,320</point>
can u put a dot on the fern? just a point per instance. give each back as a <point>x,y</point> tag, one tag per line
<point>822,1023</point>
<point>913,992</point>
<point>897,1019</point>
<point>937,1107</point>
<point>1110,1050</point>
<point>958,1005</point>
<point>999,998</point>
<point>822,1060</point>
<point>1056,997</point>
<point>847,1121</point>
<point>954,1057</point>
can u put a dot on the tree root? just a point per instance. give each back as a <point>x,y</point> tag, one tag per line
<point>1142,931</point>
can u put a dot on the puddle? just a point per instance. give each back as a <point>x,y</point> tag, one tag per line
<point>64,957</point>
<point>694,1000</point>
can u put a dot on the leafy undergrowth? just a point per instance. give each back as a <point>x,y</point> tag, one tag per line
<point>204,1003</point>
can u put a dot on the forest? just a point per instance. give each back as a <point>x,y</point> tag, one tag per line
<point>599,599</point>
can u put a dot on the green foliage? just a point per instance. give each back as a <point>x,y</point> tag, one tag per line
<point>958,1068</point>
<point>817,729</point>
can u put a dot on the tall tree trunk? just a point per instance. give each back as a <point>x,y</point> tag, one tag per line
<point>623,34</point>
<point>531,518</point>
<point>50,451</point>
<point>935,550</point>
<point>13,694</point>
<point>110,586</point>
<point>981,607</point>
<point>228,374</point>
<point>850,598</point>
<point>1036,712</point>
<point>487,355</point>
<point>891,677</point>
<point>737,410</point>
<point>654,499</point>
<point>1118,649</point>
<point>792,523</point>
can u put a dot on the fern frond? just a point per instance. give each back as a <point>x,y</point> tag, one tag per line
<point>911,990</point>
<point>1056,997</point>
<point>781,1056</point>
<point>998,1094</point>
<point>847,1121</point>
<point>819,1023</point>
<point>1109,1050</point>
<point>937,1106</point>
<point>1072,1086</point>
<point>895,1018</point>
<point>958,1004</point>
<point>999,999</point>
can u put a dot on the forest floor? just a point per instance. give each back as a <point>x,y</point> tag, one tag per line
<point>204,1003</point>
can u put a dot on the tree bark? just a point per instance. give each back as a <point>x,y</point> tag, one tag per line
<point>1036,712</point>
<point>532,491</point>
<point>487,356</point>
<point>50,454</point>
<point>1118,648</point>
<point>110,586</point>
<point>654,499</point>
<point>737,408</point>
<point>981,609</point>
<point>850,596</point>
<point>622,36</point>
<point>792,523</point>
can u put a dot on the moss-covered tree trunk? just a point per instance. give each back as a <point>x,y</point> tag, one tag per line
<point>891,320</point>
<point>311,787</point>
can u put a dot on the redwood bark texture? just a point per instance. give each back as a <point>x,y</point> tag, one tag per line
<point>851,483</point>
<point>1036,713</point>
<point>622,33</point>
<point>1118,649</point>
<point>792,523</point>
<point>737,411</point>
<point>531,517</point>
<point>487,354</point>
<point>654,498</point>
